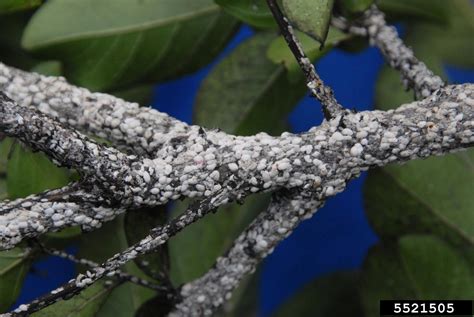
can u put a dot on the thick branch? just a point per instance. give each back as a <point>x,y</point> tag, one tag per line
<point>51,211</point>
<point>177,160</point>
<point>414,73</point>
<point>125,124</point>
<point>203,296</point>
<point>205,162</point>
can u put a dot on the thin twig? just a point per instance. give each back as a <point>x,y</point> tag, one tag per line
<point>157,237</point>
<point>331,108</point>
<point>91,264</point>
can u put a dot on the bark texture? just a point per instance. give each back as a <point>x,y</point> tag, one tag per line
<point>155,158</point>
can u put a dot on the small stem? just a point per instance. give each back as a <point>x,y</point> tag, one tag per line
<point>156,237</point>
<point>331,108</point>
<point>91,264</point>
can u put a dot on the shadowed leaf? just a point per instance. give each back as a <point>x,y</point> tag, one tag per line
<point>196,248</point>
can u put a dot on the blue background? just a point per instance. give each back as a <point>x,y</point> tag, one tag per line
<point>336,238</point>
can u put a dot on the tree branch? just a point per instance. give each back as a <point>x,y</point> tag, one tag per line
<point>125,124</point>
<point>156,237</point>
<point>50,211</point>
<point>331,108</point>
<point>202,164</point>
<point>287,209</point>
<point>176,160</point>
<point>414,73</point>
<point>123,276</point>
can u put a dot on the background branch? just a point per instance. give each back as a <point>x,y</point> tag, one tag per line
<point>415,74</point>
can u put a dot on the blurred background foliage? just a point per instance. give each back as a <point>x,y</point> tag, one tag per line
<point>422,211</point>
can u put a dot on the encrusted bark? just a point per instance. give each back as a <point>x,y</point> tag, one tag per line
<point>121,275</point>
<point>414,73</point>
<point>203,163</point>
<point>127,125</point>
<point>319,162</point>
<point>166,159</point>
<point>286,210</point>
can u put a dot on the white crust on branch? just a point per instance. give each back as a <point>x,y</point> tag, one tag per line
<point>414,73</point>
<point>200,163</point>
<point>125,124</point>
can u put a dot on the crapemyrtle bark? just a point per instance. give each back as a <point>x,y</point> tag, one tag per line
<point>155,158</point>
<point>128,126</point>
<point>202,164</point>
<point>415,75</point>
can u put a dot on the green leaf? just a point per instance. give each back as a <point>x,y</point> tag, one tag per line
<point>137,225</point>
<point>195,249</point>
<point>111,43</point>
<point>418,267</point>
<point>451,43</point>
<point>389,91</point>
<point>30,173</point>
<point>250,87</point>
<point>323,297</point>
<point>310,16</point>
<point>279,53</point>
<point>85,304</point>
<point>3,188</point>
<point>48,68</point>
<point>14,265</point>
<point>5,148</point>
<point>8,6</point>
<point>413,10</point>
<point>98,246</point>
<point>430,196</point>
<point>354,7</point>
<point>125,299</point>
<point>253,12</point>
